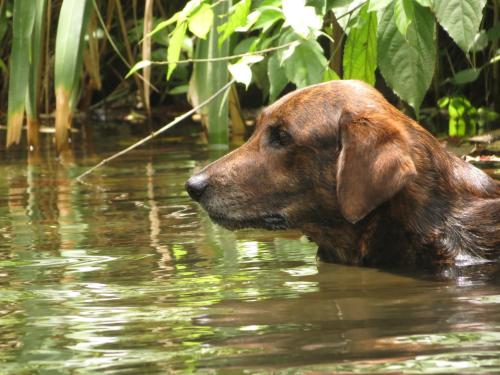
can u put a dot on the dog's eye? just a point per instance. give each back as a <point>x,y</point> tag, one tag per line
<point>279,137</point>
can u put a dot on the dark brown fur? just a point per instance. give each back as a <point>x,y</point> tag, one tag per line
<point>368,184</point>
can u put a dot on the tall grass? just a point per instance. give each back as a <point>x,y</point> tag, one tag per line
<point>20,66</point>
<point>73,20</point>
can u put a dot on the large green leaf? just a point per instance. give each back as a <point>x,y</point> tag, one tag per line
<point>22,29</point>
<point>360,51</point>
<point>277,77</point>
<point>306,64</point>
<point>461,19</point>
<point>407,64</point>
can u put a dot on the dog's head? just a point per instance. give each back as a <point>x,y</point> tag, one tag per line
<point>325,153</point>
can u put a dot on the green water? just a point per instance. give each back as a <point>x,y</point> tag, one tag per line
<point>128,276</point>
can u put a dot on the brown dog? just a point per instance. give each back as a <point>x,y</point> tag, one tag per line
<point>365,182</point>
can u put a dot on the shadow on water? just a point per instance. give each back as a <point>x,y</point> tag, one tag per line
<point>131,277</point>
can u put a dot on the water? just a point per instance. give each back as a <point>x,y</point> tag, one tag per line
<point>132,278</point>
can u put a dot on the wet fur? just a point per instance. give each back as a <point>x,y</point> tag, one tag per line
<point>365,182</point>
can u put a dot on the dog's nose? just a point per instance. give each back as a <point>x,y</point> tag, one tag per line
<point>196,185</point>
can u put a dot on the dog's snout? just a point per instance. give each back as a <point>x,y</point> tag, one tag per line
<point>196,185</point>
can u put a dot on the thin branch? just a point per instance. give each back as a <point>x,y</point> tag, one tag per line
<point>159,131</point>
<point>225,58</point>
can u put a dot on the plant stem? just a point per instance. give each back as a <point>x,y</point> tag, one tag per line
<point>159,131</point>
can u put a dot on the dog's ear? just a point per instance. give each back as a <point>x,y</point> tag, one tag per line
<point>373,165</point>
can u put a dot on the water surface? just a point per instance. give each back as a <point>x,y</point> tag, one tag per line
<point>128,276</point>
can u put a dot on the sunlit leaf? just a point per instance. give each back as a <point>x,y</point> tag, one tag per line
<point>360,51</point>
<point>407,64</point>
<point>241,71</point>
<point>460,19</point>
<point>201,21</point>
<point>346,11</point>
<point>303,19</point>
<point>174,47</point>
<point>138,66</point>
<point>237,18</point>
<point>374,5</point>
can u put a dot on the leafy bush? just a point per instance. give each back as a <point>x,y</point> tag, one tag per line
<point>299,42</point>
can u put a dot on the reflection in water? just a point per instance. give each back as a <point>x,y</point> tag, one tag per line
<point>132,277</point>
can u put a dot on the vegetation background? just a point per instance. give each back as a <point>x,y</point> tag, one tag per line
<point>438,60</point>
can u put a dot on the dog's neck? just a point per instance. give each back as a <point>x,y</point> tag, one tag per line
<point>456,224</point>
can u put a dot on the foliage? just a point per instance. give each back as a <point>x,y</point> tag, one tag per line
<point>71,29</point>
<point>297,43</point>
<point>421,50</point>
<point>464,118</point>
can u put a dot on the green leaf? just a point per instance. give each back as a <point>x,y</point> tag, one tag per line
<point>246,45</point>
<point>138,66</point>
<point>174,47</point>
<point>73,21</point>
<point>306,65</point>
<point>460,19</point>
<point>190,8</point>
<point>182,89</point>
<point>162,25</point>
<point>267,18</point>
<point>303,19</point>
<point>407,64</point>
<point>237,18</point>
<point>330,75</point>
<point>277,77</point>
<point>35,66</point>
<point>360,51</point>
<point>241,71</point>
<point>22,29</point>
<point>375,5</point>
<point>403,14</point>
<point>201,21</point>
<point>494,32</point>
<point>480,41</point>
<point>425,3</point>
<point>466,76</point>
<point>346,11</point>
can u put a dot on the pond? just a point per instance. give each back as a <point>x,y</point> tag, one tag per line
<point>128,276</point>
